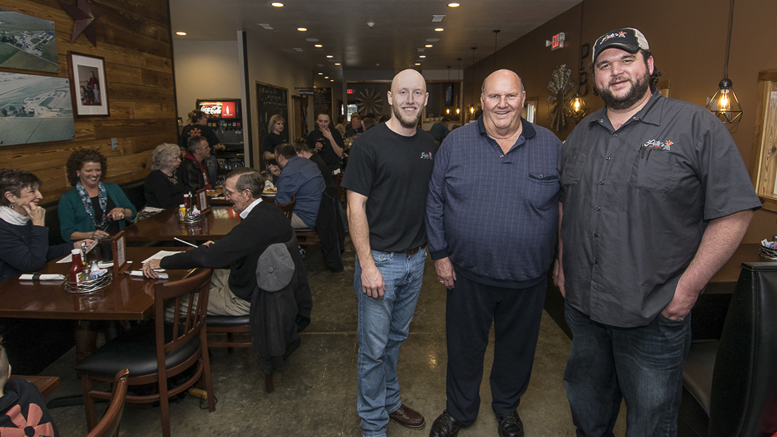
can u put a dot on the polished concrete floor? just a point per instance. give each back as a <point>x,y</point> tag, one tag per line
<point>315,391</point>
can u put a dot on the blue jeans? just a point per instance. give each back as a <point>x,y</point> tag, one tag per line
<point>383,326</point>
<point>642,365</point>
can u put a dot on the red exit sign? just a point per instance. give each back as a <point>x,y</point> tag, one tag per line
<point>557,42</point>
<point>349,91</point>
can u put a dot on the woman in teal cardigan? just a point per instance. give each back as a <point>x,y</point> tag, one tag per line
<point>92,209</point>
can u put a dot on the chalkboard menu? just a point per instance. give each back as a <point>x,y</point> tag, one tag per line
<point>271,100</point>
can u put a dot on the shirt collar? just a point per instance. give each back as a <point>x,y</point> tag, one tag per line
<point>646,114</point>
<point>244,213</point>
<point>527,130</point>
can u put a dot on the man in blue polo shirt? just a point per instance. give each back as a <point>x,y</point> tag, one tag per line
<point>492,221</point>
<point>298,177</point>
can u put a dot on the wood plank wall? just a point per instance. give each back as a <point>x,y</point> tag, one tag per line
<point>134,38</point>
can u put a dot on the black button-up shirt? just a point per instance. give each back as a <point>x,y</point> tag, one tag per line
<point>637,201</point>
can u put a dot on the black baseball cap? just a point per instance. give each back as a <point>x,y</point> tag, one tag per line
<point>628,38</point>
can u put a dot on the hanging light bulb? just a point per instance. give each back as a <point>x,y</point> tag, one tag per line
<point>458,111</point>
<point>447,111</point>
<point>577,108</point>
<point>724,103</point>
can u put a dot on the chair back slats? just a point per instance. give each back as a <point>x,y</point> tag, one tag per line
<point>288,208</point>
<point>196,308</point>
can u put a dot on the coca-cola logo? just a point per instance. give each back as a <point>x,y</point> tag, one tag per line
<point>214,109</point>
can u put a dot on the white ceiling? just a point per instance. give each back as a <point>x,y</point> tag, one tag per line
<point>401,28</point>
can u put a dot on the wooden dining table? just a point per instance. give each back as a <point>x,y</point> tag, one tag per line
<point>126,298</point>
<point>216,223</point>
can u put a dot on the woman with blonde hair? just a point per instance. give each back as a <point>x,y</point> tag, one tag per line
<point>163,187</point>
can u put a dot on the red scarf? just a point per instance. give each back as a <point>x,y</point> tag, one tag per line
<point>202,169</point>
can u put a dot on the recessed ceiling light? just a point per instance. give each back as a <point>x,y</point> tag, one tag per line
<point>422,56</point>
<point>266,26</point>
<point>428,46</point>
<point>320,65</point>
<point>330,56</point>
<point>320,74</point>
<point>421,49</point>
<point>318,46</point>
<point>302,29</point>
<point>337,63</point>
<point>417,63</point>
<point>331,80</point>
<point>326,77</point>
<point>432,39</point>
<point>438,29</point>
<point>277,4</point>
<point>453,5</point>
<point>181,33</point>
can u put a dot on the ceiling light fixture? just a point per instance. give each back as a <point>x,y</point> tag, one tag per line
<point>437,18</point>
<point>330,56</point>
<point>438,29</point>
<point>181,33</point>
<point>302,29</point>
<point>454,5</point>
<point>318,46</point>
<point>320,74</point>
<point>724,103</point>
<point>417,63</point>
<point>265,26</point>
<point>472,105</point>
<point>428,46</point>
<point>337,63</point>
<point>326,77</point>
<point>422,56</point>
<point>277,4</point>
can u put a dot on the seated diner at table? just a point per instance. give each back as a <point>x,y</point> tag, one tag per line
<point>93,208</point>
<point>24,237</point>
<point>163,187</point>
<point>234,257</point>
<point>194,175</point>
<point>300,178</point>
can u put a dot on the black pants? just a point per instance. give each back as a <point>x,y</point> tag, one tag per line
<point>516,313</point>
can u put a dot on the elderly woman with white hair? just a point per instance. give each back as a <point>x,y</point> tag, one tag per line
<point>163,187</point>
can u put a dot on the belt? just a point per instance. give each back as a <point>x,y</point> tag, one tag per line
<point>412,251</point>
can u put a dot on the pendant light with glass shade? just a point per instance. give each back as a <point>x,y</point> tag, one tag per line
<point>577,105</point>
<point>724,103</point>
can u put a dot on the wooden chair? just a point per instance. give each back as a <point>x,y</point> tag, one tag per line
<point>288,208</point>
<point>231,325</point>
<point>109,424</point>
<point>156,350</point>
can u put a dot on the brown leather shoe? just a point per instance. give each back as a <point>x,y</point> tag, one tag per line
<point>408,417</point>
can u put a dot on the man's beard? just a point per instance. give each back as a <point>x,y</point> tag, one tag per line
<point>404,121</point>
<point>635,94</point>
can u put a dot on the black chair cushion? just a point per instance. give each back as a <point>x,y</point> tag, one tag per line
<point>227,321</point>
<point>135,349</point>
<point>304,230</point>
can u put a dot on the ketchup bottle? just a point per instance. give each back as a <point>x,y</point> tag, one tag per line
<point>75,267</point>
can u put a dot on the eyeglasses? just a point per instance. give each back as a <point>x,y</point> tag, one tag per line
<point>496,98</point>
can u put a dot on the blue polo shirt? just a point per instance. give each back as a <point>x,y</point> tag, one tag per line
<point>300,177</point>
<point>495,214</point>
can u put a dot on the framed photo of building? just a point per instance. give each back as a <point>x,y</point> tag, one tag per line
<point>87,75</point>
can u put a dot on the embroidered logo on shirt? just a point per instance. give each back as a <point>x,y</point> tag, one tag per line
<point>656,144</point>
<point>426,155</point>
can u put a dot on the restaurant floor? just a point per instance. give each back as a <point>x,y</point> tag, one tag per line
<point>315,391</point>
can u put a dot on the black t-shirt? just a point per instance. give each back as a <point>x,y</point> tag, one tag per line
<point>327,153</point>
<point>393,171</point>
<point>269,143</point>
<point>194,130</point>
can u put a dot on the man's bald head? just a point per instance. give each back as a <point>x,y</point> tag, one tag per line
<point>497,73</point>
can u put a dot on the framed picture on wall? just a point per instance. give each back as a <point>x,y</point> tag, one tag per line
<point>87,75</point>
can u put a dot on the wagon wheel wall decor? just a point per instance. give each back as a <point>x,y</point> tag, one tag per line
<point>370,101</point>
<point>561,87</point>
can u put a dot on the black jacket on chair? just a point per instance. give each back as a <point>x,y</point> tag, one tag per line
<point>277,317</point>
<point>331,233</point>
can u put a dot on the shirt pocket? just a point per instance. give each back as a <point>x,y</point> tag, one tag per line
<point>572,169</point>
<point>654,169</point>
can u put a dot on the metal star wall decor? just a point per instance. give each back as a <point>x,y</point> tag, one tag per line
<point>84,20</point>
<point>560,86</point>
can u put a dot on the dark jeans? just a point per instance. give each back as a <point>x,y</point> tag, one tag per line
<point>470,309</point>
<point>642,365</point>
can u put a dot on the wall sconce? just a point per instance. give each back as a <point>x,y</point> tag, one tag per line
<point>577,108</point>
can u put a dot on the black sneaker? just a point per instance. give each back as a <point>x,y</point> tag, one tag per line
<point>445,426</point>
<point>510,424</point>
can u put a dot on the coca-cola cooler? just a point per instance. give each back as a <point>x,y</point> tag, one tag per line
<point>225,118</point>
